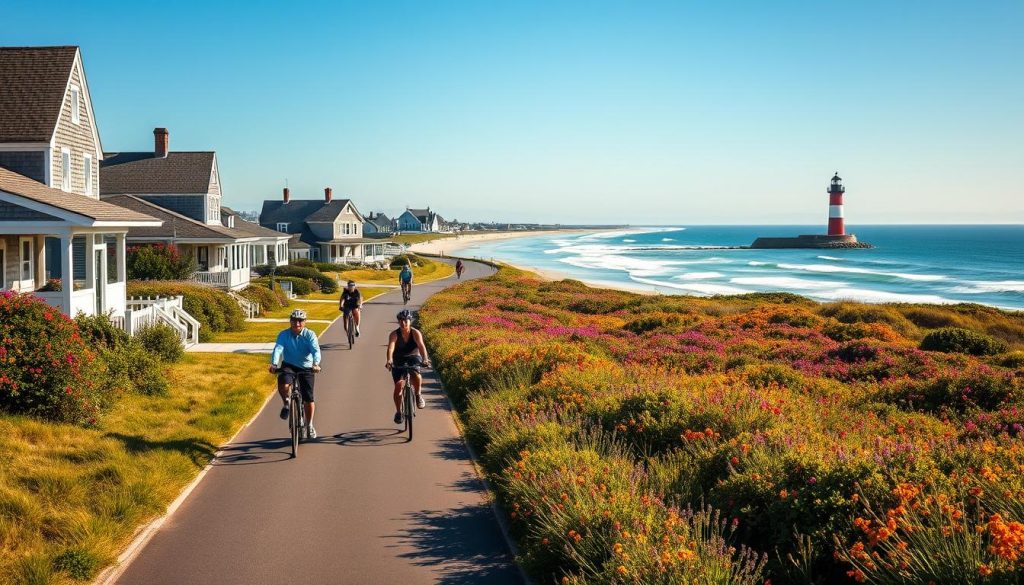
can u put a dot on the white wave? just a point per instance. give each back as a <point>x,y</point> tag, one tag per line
<point>668,239</point>
<point>629,241</point>
<point>633,266</point>
<point>756,263</point>
<point>832,258</point>
<point>601,249</point>
<point>830,268</point>
<point>877,296</point>
<point>698,275</point>
<point>696,288</point>
<point>621,233</point>
<point>785,282</point>
<point>995,286</point>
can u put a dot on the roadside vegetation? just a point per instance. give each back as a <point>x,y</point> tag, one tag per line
<point>746,439</point>
<point>424,269</point>
<point>410,239</point>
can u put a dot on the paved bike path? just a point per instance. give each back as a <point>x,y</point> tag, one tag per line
<point>358,505</point>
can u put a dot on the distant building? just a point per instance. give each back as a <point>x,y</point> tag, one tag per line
<point>184,190</point>
<point>419,220</point>
<point>331,228</point>
<point>378,225</point>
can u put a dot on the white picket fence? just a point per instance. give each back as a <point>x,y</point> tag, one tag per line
<point>141,312</point>
<point>251,309</point>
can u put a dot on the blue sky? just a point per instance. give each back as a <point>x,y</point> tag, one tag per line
<point>608,112</point>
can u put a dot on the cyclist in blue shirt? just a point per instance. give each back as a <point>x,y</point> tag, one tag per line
<point>405,279</point>
<point>297,350</point>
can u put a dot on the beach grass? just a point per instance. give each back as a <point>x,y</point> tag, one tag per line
<point>71,497</point>
<point>419,238</point>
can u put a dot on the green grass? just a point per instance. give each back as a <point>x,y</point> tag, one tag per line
<point>260,332</point>
<point>418,238</point>
<point>429,271</point>
<point>71,497</point>
<point>368,293</point>
<point>313,311</point>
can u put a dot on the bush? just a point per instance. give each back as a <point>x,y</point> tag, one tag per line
<point>956,340</point>
<point>131,368</point>
<point>301,262</point>
<point>158,262</point>
<point>323,282</point>
<point>214,309</point>
<point>268,300</point>
<point>46,367</point>
<point>162,341</point>
<point>300,286</point>
<point>334,267</point>
<point>100,330</point>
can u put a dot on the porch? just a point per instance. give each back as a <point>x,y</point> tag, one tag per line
<point>226,266</point>
<point>362,252</point>
<point>77,270</point>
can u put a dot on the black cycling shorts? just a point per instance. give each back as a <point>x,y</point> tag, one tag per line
<point>290,374</point>
<point>411,362</point>
<point>346,310</point>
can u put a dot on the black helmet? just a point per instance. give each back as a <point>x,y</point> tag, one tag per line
<point>404,315</point>
<point>351,283</point>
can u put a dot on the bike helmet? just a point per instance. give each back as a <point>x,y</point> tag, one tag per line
<point>404,315</point>
<point>351,283</point>
<point>298,315</point>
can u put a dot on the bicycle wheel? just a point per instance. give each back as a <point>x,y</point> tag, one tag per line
<point>295,423</point>
<point>350,325</point>
<point>408,404</point>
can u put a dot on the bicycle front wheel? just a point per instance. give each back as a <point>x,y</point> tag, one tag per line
<point>295,424</point>
<point>408,405</point>
<point>350,325</point>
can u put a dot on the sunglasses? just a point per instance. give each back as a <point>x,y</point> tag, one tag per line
<point>403,319</point>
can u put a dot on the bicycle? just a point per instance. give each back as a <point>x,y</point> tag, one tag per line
<point>406,292</point>
<point>408,408</point>
<point>350,326</point>
<point>298,426</point>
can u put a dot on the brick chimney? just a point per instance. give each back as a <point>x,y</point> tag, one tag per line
<point>327,195</point>
<point>287,195</point>
<point>161,141</point>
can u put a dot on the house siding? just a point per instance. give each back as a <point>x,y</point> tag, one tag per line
<point>12,212</point>
<point>31,164</point>
<point>193,206</point>
<point>78,138</point>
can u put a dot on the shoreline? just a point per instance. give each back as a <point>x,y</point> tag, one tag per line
<point>451,245</point>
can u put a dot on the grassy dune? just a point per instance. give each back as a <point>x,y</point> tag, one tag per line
<point>651,439</point>
<point>71,497</point>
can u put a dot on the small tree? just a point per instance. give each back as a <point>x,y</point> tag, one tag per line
<point>159,262</point>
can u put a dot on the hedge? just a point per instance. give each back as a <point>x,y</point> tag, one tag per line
<point>267,299</point>
<point>300,286</point>
<point>214,309</point>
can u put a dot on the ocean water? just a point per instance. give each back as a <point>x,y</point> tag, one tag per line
<point>915,264</point>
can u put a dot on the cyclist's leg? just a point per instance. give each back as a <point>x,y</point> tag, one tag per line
<point>396,375</point>
<point>305,381</point>
<point>356,313</point>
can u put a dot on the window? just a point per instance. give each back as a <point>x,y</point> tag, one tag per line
<point>74,106</point>
<point>65,168</point>
<point>3,264</point>
<point>26,264</point>
<point>111,245</point>
<point>87,167</point>
<point>282,227</point>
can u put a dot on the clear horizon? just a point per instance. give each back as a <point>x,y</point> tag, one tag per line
<point>573,112</point>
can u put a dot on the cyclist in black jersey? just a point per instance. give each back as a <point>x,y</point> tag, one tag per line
<point>406,352</point>
<point>351,300</point>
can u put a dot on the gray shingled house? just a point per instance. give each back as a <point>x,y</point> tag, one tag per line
<point>420,220</point>
<point>58,241</point>
<point>184,190</point>
<point>332,228</point>
<point>378,225</point>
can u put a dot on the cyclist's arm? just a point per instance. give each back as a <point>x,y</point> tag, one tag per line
<point>391,349</point>
<point>420,345</point>
<point>314,348</point>
<point>277,354</point>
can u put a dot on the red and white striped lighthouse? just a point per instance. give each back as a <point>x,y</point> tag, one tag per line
<point>835,207</point>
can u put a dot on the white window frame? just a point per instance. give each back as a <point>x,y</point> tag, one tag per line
<point>24,263</point>
<point>3,264</point>
<point>76,104</point>
<point>87,167</point>
<point>282,227</point>
<point>65,169</point>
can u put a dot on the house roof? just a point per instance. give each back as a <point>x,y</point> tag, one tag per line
<point>23,186</point>
<point>249,228</point>
<point>143,173</point>
<point>33,81</point>
<point>302,210</point>
<point>295,243</point>
<point>379,219</point>
<point>178,226</point>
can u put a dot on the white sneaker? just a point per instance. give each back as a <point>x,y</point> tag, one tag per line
<point>312,432</point>
<point>420,402</point>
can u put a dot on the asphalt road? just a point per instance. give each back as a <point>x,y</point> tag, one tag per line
<point>360,504</point>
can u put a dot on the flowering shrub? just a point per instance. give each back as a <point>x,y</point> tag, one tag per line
<point>640,439</point>
<point>46,368</point>
<point>158,262</point>
<point>954,339</point>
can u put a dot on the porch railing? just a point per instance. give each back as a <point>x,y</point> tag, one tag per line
<point>217,279</point>
<point>251,309</point>
<point>145,311</point>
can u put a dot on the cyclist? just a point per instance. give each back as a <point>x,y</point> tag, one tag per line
<point>351,301</point>
<point>298,351</point>
<point>405,279</point>
<point>459,267</point>
<point>406,352</point>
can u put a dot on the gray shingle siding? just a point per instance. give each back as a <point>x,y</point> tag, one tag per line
<point>30,164</point>
<point>12,212</point>
<point>193,206</point>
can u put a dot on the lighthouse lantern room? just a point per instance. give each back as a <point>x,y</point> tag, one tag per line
<point>835,207</point>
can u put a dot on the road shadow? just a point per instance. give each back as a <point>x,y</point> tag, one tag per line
<point>368,437</point>
<point>451,449</point>
<point>464,544</point>
<point>255,452</point>
<point>198,450</point>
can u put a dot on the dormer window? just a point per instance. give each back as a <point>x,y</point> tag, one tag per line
<point>282,227</point>
<point>75,119</point>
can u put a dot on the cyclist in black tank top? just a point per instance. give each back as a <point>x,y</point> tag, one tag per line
<point>406,352</point>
